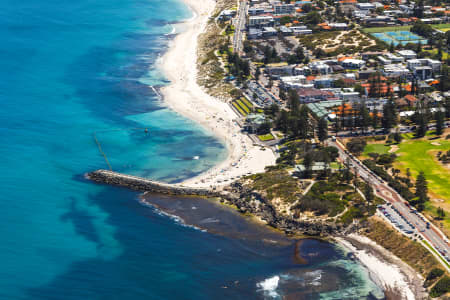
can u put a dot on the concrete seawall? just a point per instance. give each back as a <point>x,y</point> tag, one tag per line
<point>146,185</point>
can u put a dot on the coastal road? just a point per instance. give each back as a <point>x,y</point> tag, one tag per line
<point>239,26</point>
<point>423,227</point>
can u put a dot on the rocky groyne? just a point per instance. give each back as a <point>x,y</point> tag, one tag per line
<point>245,200</point>
<point>147,185</point>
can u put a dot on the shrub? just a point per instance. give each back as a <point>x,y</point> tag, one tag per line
<point>356,146</point>
<point>435,273</point>
<point>441,287</point>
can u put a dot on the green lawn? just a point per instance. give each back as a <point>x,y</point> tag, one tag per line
<point>376,148</point>
<point>434,51</point>
<point>243,106</point>
<point>443,27</point>
<point>385,29</point>
<point>420,155</point>
<point>266,137</point>
<point>335,165</point>
<point>241,111</point>
<point>246,102</point>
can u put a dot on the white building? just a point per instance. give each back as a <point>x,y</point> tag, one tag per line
<point>365,6</point>
<point>383,60</point>
<point>284,9</point>
<point>394,58</point>
<point>351,63</point>
<point>320,67</point>
<point>435,65</point>
<point>407,54</point>
<point>259,20</point>
<point>395,70</point>
<point>293,81</point>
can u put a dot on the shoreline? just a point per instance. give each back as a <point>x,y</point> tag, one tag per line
<point>184,96</point>
<point>391,274</point>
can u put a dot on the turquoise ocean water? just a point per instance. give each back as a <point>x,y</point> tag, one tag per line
<point>72,69</point>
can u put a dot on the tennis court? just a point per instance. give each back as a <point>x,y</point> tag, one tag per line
<point>399,37</point>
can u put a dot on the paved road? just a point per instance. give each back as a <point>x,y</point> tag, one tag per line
<point>429,232</point>
<point>239,26</point>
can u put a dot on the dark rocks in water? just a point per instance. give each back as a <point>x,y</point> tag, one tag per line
<point>245,199</point>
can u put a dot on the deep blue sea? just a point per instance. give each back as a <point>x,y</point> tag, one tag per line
<point>75,70</point>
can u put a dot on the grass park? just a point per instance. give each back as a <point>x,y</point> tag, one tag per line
<point>266,137</point>
<point>420,155</point>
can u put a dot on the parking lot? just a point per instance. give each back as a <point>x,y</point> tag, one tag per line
<point>396,218</point>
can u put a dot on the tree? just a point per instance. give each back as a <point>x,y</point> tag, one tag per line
<point>364,116</point>
<point>307,7</point>
<point>375,119</point>
<point>293,100</point>
<point>439,122</point>
<point>322,129</point>
<point>421,191</point>
<point>421,119</point>
<point>368,192</point>
<point>257,73</point>
<point>389,115</point>
<point>440,213</point>
<point>356,145</point>
<point>312,18</point>
<point>307,163</point>
<point>397,137</point>
<point>447,105</point>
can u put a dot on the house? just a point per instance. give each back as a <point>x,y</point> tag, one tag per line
<point>411,100</point>
<point>316,167</point>
<point>226,14</point>
<point>253,122</point>
<point>307,95</point>
<point>300,30</point>
<point>338,26</point>
<point>351,63</point>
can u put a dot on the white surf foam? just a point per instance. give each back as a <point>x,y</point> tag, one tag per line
<point>269,286</point>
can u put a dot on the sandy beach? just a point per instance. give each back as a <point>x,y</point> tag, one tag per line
<point>388,271</point>
<point>187,98</point>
